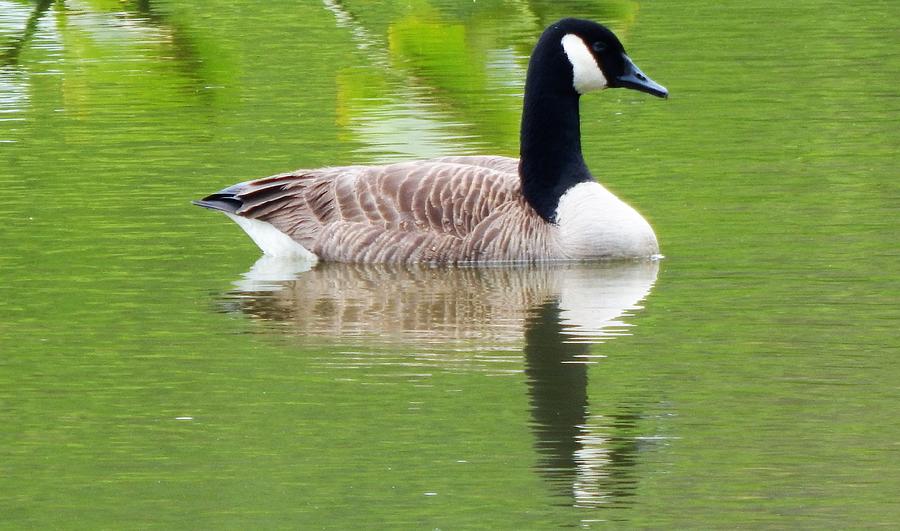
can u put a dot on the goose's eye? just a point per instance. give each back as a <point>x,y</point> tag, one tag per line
<point>598,46</point>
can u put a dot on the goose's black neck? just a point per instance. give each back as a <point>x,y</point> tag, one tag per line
<point>550,160</point>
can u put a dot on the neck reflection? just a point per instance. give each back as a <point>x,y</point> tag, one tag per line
<point>557,314</point>
<point>588,464</point>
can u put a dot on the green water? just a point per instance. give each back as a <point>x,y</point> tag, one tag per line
<point>152,375</point>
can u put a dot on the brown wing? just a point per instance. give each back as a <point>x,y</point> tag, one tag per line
<point>501,164</point>
<point>416,211</point>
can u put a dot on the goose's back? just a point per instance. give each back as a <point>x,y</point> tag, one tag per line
<point>452,209</point>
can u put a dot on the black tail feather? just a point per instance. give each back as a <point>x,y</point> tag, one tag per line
<point>219,201</point>
<point>226,200</point>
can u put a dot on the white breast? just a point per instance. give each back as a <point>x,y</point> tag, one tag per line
<point>594,223</point>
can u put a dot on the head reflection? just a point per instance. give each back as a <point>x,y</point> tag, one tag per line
<point>561,312</point>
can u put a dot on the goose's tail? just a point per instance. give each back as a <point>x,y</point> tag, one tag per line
<point>267,237</point>
<point>227,200</point>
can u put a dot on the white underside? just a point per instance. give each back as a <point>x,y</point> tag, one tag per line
<point>272,241</point>
<point>594,223</point>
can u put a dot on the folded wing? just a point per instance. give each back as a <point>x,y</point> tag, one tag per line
<point>442,210</point>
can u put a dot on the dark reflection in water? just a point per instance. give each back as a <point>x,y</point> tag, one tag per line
<point>594,470</point>
<point>146,32</point>
<point>555,314</point>
<point>557,385</point>
<point>10,55</point>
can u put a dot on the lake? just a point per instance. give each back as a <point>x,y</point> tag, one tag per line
<point>155,372</point>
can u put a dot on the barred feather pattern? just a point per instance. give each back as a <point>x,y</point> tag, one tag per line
<point>445,210</point>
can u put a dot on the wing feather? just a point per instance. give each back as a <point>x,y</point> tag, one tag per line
<point>449,209</point>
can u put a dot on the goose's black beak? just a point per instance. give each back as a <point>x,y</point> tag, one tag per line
<point>633,78</point>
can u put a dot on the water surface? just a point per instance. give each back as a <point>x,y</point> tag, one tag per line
<point>154,373</point>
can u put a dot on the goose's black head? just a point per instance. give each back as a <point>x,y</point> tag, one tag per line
<point>596,58</point>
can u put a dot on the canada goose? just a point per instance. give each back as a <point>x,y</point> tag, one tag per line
<point>544,206</point>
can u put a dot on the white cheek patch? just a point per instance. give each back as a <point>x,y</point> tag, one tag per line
<point>586,74</point>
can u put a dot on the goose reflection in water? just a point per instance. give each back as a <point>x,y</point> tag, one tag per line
<point>574,456</point>
<point>555,313</point>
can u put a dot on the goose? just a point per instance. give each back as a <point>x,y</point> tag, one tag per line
<point>544,206</point>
